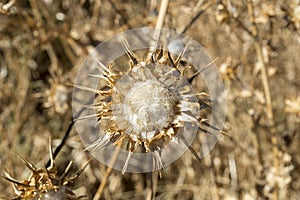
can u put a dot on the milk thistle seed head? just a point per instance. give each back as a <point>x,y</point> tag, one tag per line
<point>148,108</point>
<point>45,183</point>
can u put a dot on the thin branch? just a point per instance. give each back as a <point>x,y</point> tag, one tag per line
<point>265,83</point>
<point>101,187</point>
<point>159,24</point>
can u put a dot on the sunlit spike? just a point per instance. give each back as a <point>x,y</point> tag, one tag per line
<point>225,133</point>
<point>92,106</point>
<point>206,131</point>
<point>66,171</point>
<point>127,49</point>
<point>98,144</point>
<point>157,162</point>
<point>119,140</point>
<point>79,171</point>
<point>95,105</point>
<point>51,154</point>
<point>87,117</point>
<point>16,190</point>
<point>210,126</point>
<point>191,149</point>
<point>99,76</point>
<point>202,69</point>
<point>101,66</point>
<point>27,163</point>
<point>107,79</point>
<point>11,179</point>
<point>205,122</point>
<point>126,162</point>
<point>176,63</point>
<point>133,145</point>
<point>214,128</point>
<point>88,89</point>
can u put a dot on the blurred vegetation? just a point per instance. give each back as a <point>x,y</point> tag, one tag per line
<point>44,42</point>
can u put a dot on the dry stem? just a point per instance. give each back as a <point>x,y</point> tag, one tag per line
<point>265,83</point>
<point>101,187</point>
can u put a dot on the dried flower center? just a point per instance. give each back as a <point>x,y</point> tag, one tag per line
<point>142,104</point>
<point>149,106</point>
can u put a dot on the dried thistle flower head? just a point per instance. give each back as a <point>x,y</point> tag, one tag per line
<point>57,96</point>
<point>146,106</point>
<point>45,183</point>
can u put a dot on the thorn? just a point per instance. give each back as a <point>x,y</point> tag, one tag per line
<point>11,179</point>
<point>66,171</point>
<point>98,144</point>
<point>191,149</point>
<point>86,117</point>
<point>99,92</point>
<point>27,163</point>
<point>126,162</point>
<point>157,162</point>
<point>209,125</point>
<point>99,76</point>
<point>119,139</point>
<point>202,69</point>
<point>225,133</point>
<point>176,63</point>
<point>79,171</point>
<point>101,66</point>
<point>206,131</point>
<point>129,52</point>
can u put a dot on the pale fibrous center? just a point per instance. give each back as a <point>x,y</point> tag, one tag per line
<point>149,106</point>
<point>143,105</point>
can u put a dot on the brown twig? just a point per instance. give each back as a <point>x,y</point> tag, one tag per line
<point>265,83</point>
<point>96,11</point>
<point>159,24</point>
<point>99,192</point>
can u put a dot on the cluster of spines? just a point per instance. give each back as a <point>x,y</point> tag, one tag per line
<point>44,183</point>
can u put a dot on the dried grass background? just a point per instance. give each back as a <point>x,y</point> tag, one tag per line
<point>43,43</point>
